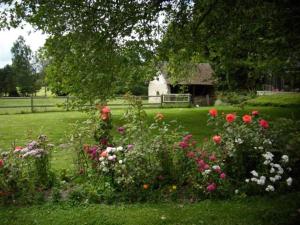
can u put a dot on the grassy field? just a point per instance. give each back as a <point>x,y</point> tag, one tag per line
<point>290,99</point>
<point>22,127</point>
<point>247,211</point>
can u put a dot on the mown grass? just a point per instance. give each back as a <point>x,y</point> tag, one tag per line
<point>241,211</point>
<point>20,128</point>
<point>288,99</point>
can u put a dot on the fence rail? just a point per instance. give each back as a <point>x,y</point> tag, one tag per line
<point>41,104</point>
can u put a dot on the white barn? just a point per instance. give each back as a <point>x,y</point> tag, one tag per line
<point>199,85</point>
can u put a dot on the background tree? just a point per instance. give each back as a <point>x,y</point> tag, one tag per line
<point>8,82</point>
<point>21,64</point>
<point>87,39</point>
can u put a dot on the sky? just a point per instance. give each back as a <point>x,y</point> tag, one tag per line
<point>35,39</point>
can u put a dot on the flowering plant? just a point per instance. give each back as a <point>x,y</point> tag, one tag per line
<point>24,170</point>
<point>248,147</point>
<point>272,174</point>
<point>208,174</point>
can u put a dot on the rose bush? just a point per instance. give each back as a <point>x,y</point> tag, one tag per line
<point>248,145</point>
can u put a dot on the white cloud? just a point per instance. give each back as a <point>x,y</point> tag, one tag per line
<point>35,39</point>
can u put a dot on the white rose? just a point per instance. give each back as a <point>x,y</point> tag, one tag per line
<point>254,173</point>
<point>285,158</point>
<point>289,181</point>
<point>277,177</point>
<point>270,188</point>
<point>109,149</point>
<point>120,148</point>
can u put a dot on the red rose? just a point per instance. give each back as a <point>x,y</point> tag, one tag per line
<point>264,124</point>
<point>217,139</point>
<point>230,118</point>
<point>183,144</point>
<point>104,116</point>
<point>247,119</point>
<point>105,109</point>
<point>255,113</point>
<point>213,112</point>
<point>18,148</point>
<point>1,163</point>
<point>104,154</point>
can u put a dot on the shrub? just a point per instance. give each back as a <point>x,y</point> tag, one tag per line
<point>250,146</point>
<point>25,172</point>
<point>147,160</point>
<point>235,98</point>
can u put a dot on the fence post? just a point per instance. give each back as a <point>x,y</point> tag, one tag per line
<point>190,100</point>
<point>67,103</point>
<point>31,103</point>
<point>161,100</point>
<point>207,99</point>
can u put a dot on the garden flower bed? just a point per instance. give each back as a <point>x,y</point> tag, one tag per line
<point>158,161</point>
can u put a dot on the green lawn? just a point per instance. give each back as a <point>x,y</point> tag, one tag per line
<point>288,99</point>
<point>247,211</point>
<point>21,127</point>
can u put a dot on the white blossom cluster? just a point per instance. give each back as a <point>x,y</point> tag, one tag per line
<point>110,157</point>
<point>275,172</point>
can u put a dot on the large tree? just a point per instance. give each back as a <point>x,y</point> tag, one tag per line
<point>89,41</point>
<point>21,64</point>
<point>244,40</point>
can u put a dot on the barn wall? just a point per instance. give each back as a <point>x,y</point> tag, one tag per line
<point>158,87</point>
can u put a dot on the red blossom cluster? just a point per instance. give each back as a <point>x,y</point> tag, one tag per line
<point>105,112</point>
<point>247,119</point>
<point>91,151</point>
<point>208,163</point>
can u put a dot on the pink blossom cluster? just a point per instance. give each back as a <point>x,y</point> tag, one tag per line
<point>32,149</point>
<point>187,142</point>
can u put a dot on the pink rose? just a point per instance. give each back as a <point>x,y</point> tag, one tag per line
<point>217,139</point>
<point>222,175</point>
<point>211,187</point>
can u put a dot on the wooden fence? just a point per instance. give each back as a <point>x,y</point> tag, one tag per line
<point>32,104</point>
